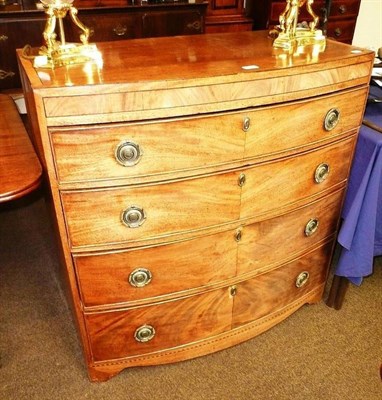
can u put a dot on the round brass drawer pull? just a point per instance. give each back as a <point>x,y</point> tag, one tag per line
<point>140,277</point>
<point>338,32</point>
<point>321,173</point>
<point>246,124</point>
<point>128,153</point>
<point>302,279</point>
<point>133,217</point>
<point>342,9</point>
<point>144,333</point>
<point>311,227</point>
<point>332,118</point>
<point>120,30</point>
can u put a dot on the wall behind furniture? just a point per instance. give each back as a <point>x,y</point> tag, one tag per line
<point>368,30</point>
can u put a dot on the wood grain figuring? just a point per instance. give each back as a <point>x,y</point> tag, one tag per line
<point>257,250</point>
<point>167,147</point>
<point>226,207</point>
<point>175,268</point>
<point>269,292</point>
<point>270,185</point>
<point>179,145</point>
<point>176,323</point>
<point>94,217</point>
<point>164,102</point>
<point>20,169</point>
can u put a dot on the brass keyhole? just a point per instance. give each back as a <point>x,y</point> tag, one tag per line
<point>238,235</point>
<point>241,180</point>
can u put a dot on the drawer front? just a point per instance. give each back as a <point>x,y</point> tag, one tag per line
<point>132,151</point>
<point>268,242</point>
<point>344,8</point>
<point>176,22</point>
<point>274,290</point>
<point>341,30</point>
<point>95,217</point>
<point>175,323</point>
<point>147,273</point>
<point>136,150</point>
<point>115,26</point>
<point>278,129</point>
<point>339,9</point>
<point>271,185</point>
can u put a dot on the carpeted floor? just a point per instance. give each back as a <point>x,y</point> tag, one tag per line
<point>317,353</point>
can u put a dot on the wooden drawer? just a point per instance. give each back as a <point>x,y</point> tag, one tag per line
<point>344,9</point>
<point>274,290</point>
<point>290,180</point>
<point>180,322</point>
<point>170,146</point>
<point>94,217</point>
<point>112,334</point>
<point>178,22</point>
<point>267,243</point>
<point>341,30</point>
<point>339,9</point>
<point>104,279</point>
<point>301,124</point>
<point>177,146</point>
<point>114,26</point>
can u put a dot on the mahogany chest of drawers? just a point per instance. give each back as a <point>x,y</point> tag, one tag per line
<point>197,185</point>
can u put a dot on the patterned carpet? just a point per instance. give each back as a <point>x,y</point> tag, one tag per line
<point>317,353</point>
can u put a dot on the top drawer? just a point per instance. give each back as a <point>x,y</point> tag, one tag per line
<point>182,147</point>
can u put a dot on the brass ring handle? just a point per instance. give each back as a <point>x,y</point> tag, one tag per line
<point>338,32</point>
<point>196,25</point>
<point>321,172</point>
<point>140,277</point>
<point>311,227</point>
<point>342,9</point>
<point>246,124</point>
<point>302,279</point>
<point>133,217</point>
<point>120,30</point>
<point>144,333</point>
<point>128,153</point>
<point>3,38</point>
<point>332,118</point>
<point>6,74</point>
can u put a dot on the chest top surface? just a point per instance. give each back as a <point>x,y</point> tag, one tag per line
<point>154,62</point>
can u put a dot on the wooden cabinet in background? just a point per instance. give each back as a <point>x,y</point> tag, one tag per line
<point>341,22</point>
<point>228,16</point>
<point>23,24</point>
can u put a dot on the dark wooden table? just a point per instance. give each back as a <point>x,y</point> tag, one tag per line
<point>20,169</point>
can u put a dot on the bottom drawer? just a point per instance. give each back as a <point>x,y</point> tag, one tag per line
<point>267,293</point>
<point>148,329</point>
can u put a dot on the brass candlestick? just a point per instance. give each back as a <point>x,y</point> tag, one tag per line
<point>57,52</point>
<point>290,35</point>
